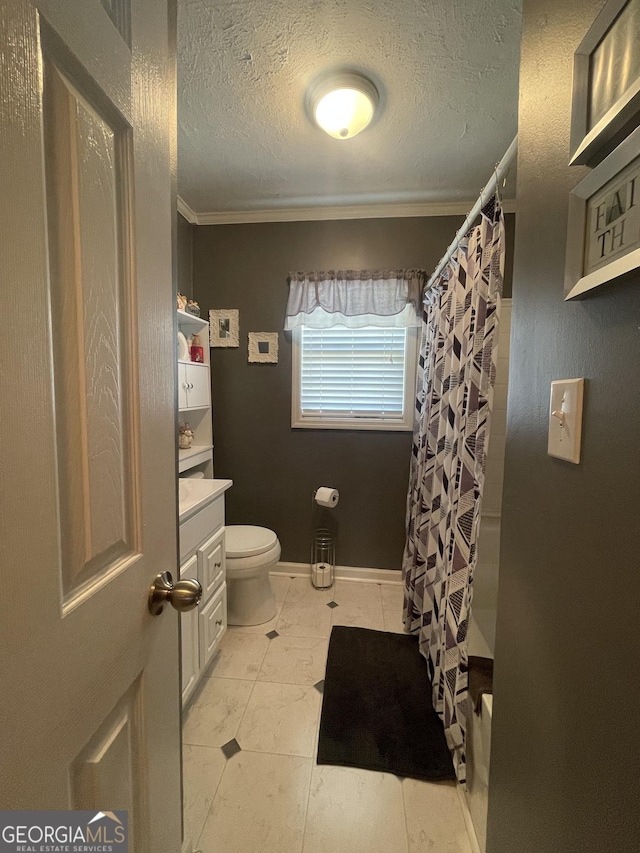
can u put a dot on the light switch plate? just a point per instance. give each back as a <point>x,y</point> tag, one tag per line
<point>565,419</point>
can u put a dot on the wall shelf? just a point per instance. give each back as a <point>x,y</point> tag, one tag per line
<point>186,319</point>
<point>195,455</point>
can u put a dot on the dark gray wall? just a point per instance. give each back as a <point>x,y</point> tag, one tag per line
<point>565,744</point>
<point>184,256</point>
<point>274,468</point>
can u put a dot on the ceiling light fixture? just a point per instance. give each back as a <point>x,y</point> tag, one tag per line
<point>343,104</point>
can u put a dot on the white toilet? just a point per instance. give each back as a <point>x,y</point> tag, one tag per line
<point>251,554</point>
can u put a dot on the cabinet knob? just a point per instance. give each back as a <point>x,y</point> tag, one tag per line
<point>218,621</point>
<point>217,565</point>
<point>182,596</point>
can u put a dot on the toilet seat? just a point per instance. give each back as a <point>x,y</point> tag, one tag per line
<point>245,540</point>
<point>245,566</point>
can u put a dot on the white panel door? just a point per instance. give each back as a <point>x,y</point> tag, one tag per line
<point>183,386</point>
<point>189,637</point>
<point>199,391</point>
<point>212,565</point>
<point>90,685</point>
<point>213,625</point>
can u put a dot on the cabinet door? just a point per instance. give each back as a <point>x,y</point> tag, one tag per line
<point>211,565</point>
<point>189,638</point>
<point>213,624</point>
<point>198,394</point>
<point>182,386</point>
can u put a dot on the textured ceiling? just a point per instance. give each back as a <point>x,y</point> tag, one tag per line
<point>447,71</point>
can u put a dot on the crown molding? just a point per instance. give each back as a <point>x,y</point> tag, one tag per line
<point>310,214</point>
<point>189,214</point>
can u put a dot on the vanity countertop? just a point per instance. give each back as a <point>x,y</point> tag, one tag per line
<point>195,494</point>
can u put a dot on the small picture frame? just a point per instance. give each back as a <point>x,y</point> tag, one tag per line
<point>606,83</point>
<point>224,327</point>
<point>603,234</point>
<point>263,347</point>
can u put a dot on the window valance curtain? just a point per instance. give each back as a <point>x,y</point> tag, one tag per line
<point>355,298</point>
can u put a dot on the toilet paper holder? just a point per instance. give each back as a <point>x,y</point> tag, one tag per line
<point>323,545</point>
<point>323,559</point>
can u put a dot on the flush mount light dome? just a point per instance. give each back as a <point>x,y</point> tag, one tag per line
<point>343,104</point>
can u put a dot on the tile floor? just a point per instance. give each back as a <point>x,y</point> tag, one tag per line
<point>250,734</point>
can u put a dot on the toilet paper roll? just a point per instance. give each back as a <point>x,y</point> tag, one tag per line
<point>326,496</point>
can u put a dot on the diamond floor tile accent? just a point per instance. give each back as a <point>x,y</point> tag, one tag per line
<point>272,635</point>
<point>231,748</point>
<point>319,685</point>
<point>333,604</point>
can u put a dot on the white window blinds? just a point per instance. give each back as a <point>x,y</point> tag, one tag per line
<point>350,374</point>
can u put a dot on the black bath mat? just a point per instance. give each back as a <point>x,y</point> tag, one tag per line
<point>376,708</point>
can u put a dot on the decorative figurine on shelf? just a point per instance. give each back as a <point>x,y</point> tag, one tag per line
<point>196,349</point>
<point>193,308</point>
<point>185,437</point>
<point>182,302</point>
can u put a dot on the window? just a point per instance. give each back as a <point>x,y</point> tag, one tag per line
<point>354,378</point>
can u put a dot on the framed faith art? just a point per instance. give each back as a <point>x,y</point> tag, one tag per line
<point>603,239</point>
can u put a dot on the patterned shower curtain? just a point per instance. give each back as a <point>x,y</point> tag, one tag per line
<point>454,396</point>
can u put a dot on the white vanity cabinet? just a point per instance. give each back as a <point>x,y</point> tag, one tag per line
<point>202,555</point>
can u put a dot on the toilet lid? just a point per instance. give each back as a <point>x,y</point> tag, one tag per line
<point>243,540</point>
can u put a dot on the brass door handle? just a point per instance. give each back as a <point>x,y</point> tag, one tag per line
<point>182,596</point>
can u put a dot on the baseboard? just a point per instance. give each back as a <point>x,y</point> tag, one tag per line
<point>468,820</point>
<point>352,573</point>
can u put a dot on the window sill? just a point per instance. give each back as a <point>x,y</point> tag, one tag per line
<point>354,424</point>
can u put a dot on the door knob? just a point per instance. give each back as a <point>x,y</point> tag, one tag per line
<point>182,596</point>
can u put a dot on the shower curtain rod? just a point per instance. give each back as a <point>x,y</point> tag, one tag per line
<point>498,173</point>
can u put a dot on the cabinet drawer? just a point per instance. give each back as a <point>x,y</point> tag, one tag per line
<point>211,565</point>
<point>213,624</point>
